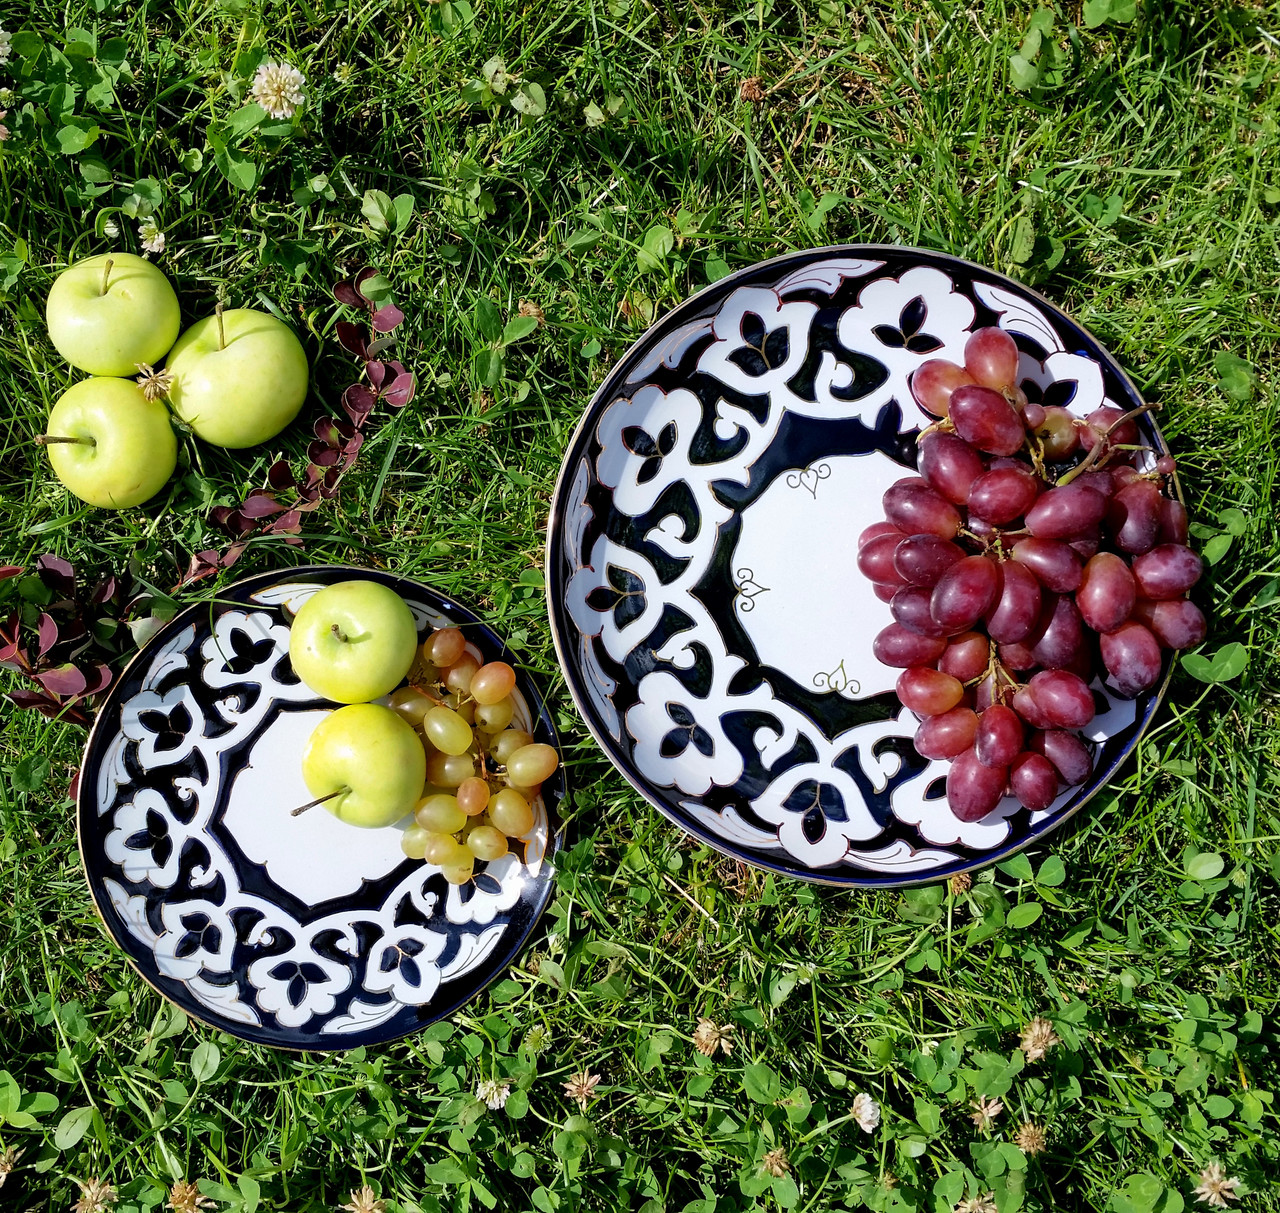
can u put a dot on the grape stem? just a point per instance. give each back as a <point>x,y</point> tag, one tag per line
<point>311,804</point>
<point>1102,448</point>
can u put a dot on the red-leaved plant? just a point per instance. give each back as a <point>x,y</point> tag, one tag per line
<point>61,639</point>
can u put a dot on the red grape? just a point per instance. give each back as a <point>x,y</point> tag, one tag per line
<point>1063,697</point>
<point>1066,512</point>
<point>986,420</point>
<point>1018,607</point>
<point>1166,465</point>
<point>885,592</point>
<point>1100,480</point>
<point>1100,421</point>
<point>915,509</point>
<point>1055,565</point>
<point>933,383</point>
<point>1088,547</point>
<point>928,692</point>
<point>897,647</point>
<point>965,592</point>
<point>949,465</point>
<point>998,740</point>
<point>1062,639</point>
<point>966,656</point>
<point>1176,623</point>
<point>910,607</point>
<point>1107,592</point>
<point>875,561</point>
<point>1069,755</point>
<point>991,358</point>
<point>973,790</point>
<point>1132,657</point>
<point>875,531</point>
<point>1167,571</point>
<point>1018,656</point>
<point>1028,707</point>
<point>1134,516</point>
<point>922,559</point>
<point>1173,521</point>
<point>946,735</point>
<point>1003,494</point>
<point>1034,781</point>
<point>1033,415</point>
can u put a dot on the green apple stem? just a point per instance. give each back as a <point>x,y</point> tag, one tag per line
<point>106,274</point>
<point>222,335</point>
<point>49,439</point>
<point>311,804</point>
<point>338,632</point>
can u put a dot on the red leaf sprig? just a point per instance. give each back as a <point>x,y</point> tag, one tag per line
<point>337,441</point>
<point>61,639</point>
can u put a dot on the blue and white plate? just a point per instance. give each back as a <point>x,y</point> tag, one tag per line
<point>301,932</point>
<point>705,602</point>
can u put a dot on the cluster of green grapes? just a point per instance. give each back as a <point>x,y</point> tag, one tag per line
<point>482,775</point>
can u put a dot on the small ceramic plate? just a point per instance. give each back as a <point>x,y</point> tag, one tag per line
<point>301,932</point>
<point>705,601</point>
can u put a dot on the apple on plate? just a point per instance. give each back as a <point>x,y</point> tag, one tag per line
<point>353,641</point>
<point>239,377</point>
<point>109,444</point>
<point>107,314</point>
<point>368,763</point>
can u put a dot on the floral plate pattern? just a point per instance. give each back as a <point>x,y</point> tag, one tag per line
<point>301,932</point>
<point>705,602</point>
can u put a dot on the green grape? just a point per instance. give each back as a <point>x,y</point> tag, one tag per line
<point>473,796</point>
<point>506,744</point>
<point>532,764</point>
<point>510,813</point>
<point>447,731</point>
<point>458,676</point>
<point>459,871</point>
<point>443,647</point>
<point>410,705</point>
<point>494,717</point>
<point>449,770</point>
<point>413,842</point>
<point>464,706</point>
<point>493,682</point>
<point>487,842</point>
<point>444,848</point>
<point>440,814</point>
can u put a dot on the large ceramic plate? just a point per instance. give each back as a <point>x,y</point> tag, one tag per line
<point>705,601</point>
<point>302,932</point>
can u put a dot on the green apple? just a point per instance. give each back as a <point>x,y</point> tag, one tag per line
<point>109,444</point>
<point>369,751</point>
<point>353,641</point>
<point>108,313</point>
<point>239,377</point>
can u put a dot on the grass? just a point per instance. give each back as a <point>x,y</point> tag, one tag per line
<point>1136,186</point>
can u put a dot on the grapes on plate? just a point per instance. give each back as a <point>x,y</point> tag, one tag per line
<point>1035,552</point>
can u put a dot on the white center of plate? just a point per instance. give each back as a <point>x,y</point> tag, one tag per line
<point>800,597</point>
<point>314,856</point>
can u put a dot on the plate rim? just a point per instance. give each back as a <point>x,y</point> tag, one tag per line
<point>555,518</point>
<point>555,838</point>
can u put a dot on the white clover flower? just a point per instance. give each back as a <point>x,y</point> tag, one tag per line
<point>6,45</point>
<point>110,228</point>
<point>151,236</point>
<point>277,87</point>
<point>4,130</point>
<point>866,1112</point>
<point>493,1093</point>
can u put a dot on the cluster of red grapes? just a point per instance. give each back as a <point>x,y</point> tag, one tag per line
<point>1029,550</point>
